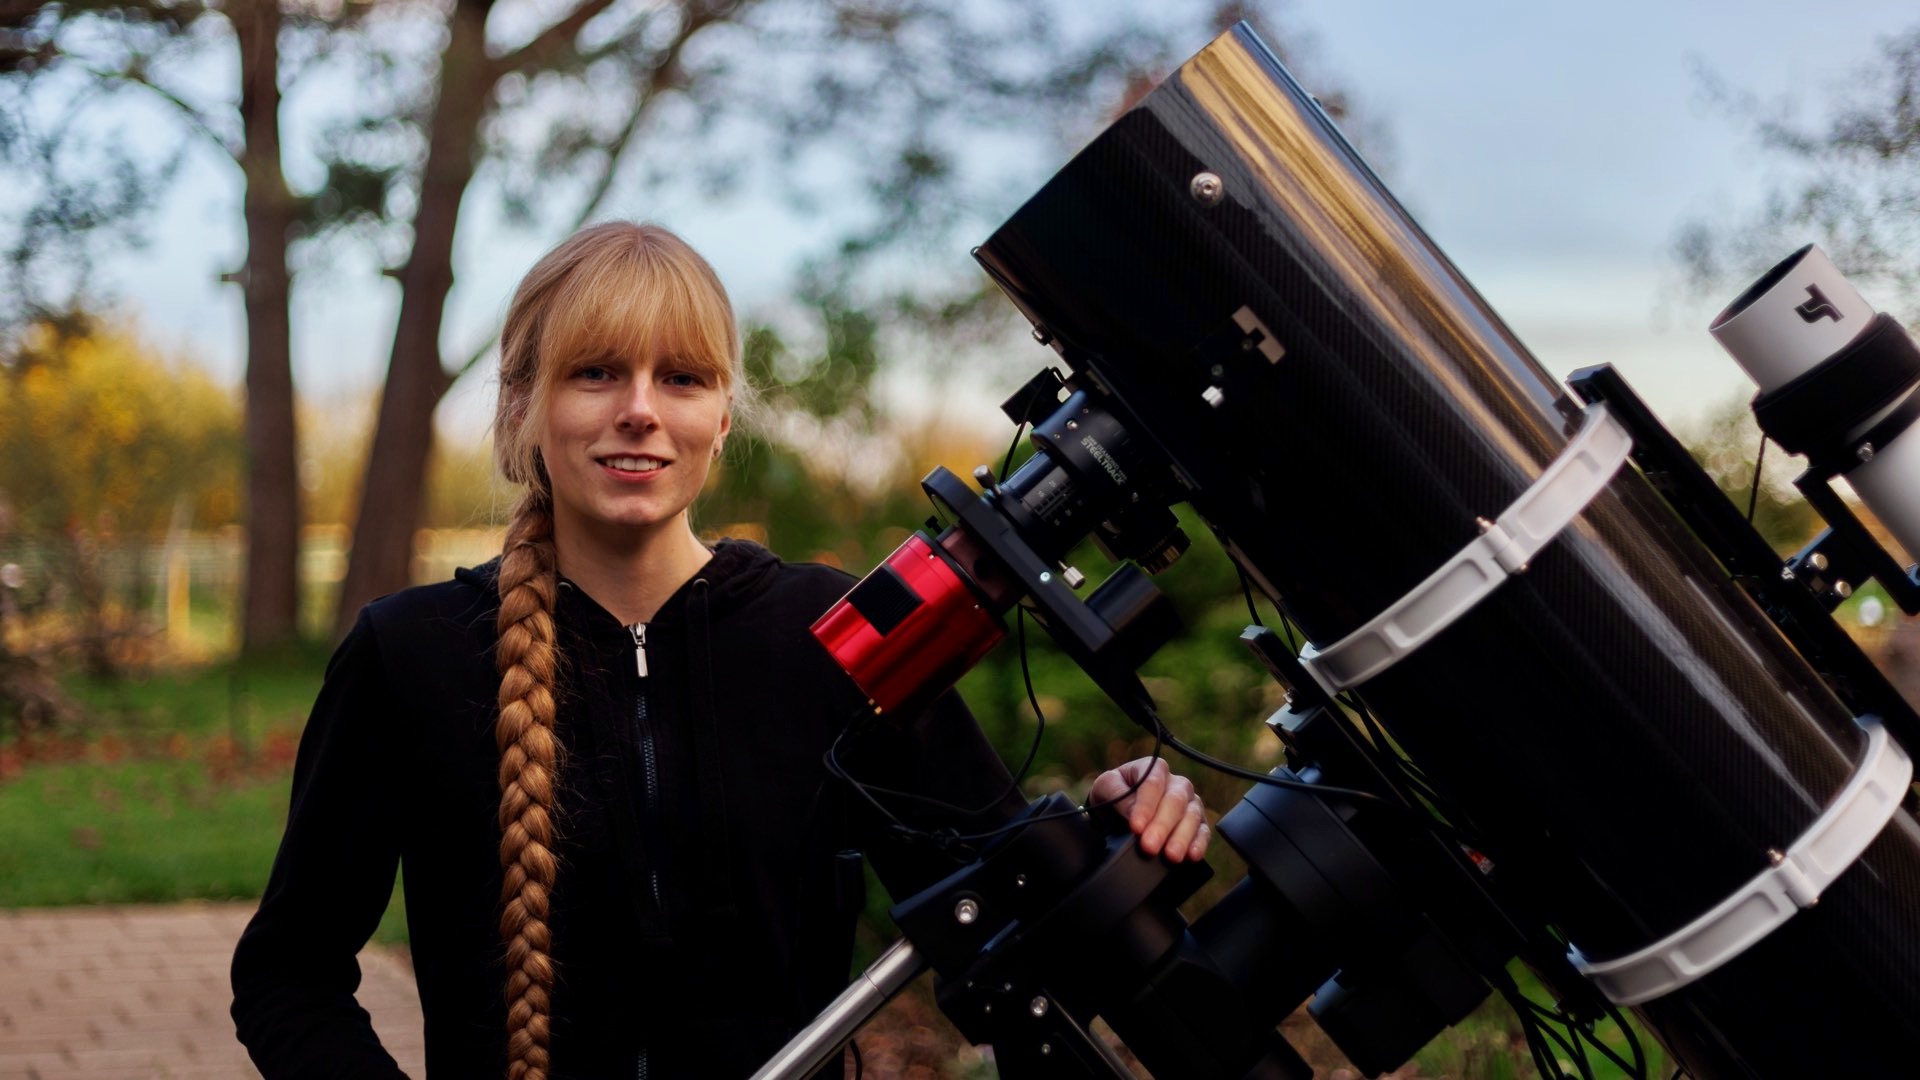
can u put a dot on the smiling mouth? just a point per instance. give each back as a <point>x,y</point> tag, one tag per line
<point>633,464</point>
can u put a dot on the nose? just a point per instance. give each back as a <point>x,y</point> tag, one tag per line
<point>639,407</point>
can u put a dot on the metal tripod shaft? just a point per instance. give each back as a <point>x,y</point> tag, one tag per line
<point>866,995</point>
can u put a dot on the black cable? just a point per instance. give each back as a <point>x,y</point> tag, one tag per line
<point>1543,1059</point>
<point>835,768</point>
<point>1571,1035</point>
<point>1246,590</point>
<point>1209,761</point>
<point>949,838</point>
<point>1633,1041</point>
<point>1011,447</point>
<point>1039,718</point>
<point>859,1063</point>
<point>1753,496</point>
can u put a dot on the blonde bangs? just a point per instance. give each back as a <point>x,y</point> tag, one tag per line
<point>617,304</point>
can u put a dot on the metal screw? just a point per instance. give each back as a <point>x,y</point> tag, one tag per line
<point>1073,577</point>
<point>1207,188</point>
<point>1817,561</point>
<point>1213,396</point>
<point>965,912</point>
<point>1045,1049</point>
<point>1073,425</point>
<point>987,1008</point>
<point>1865,452</point>
<point>1019,881</point>
<point>1842,589</point>
<point>1039,1007</point>
<point>1216,371</point>
<point>1045,577</point>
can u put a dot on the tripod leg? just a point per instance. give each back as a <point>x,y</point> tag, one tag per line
<point>829,1032</point>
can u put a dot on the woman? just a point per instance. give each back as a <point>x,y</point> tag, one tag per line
<point>598,758</point>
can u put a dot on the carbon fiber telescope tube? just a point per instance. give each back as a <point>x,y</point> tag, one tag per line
<point>1628,733</point>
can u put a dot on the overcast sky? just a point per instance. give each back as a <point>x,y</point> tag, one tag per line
<point>1551,149</point>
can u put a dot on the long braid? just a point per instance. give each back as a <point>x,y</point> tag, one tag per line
<point>613,289</point>
<point>529,762</point>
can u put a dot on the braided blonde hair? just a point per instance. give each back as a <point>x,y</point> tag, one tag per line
<point>608,289</point>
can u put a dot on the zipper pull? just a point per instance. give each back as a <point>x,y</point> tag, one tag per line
<point>639,632</point>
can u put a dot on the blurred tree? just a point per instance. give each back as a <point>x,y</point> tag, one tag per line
<point>874,105</point>
<point>1852,185</point>
<point>64,70</point>
<point>1726,443</point>
<point>100,437</point>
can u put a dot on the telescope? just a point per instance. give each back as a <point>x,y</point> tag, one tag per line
<point>1557,701</point>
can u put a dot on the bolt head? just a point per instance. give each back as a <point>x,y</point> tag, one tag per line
<point>1865,452</point>
<point>1039,1007</point>
<point>1842,589</point>
<point>1045,577</point>
<point>1073,577</point>
<point>1019,881</point>
<point>1207,188</point>
<point>966,912</point>
<point>1817,561</point>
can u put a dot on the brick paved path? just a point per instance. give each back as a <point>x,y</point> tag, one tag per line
<point>140,993</point>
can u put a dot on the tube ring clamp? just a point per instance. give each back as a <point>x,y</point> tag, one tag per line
<point>1795,880</point>
<point>1504,548</point>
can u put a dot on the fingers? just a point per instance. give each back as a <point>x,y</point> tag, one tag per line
<point>1165,821</point>
<point>1152,793</point>
<point>1188,840</point>
<point>1164,811</point>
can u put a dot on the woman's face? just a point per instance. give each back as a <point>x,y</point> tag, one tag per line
<point>628,440</point>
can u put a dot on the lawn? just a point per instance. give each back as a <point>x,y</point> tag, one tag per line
<point>176,791</point>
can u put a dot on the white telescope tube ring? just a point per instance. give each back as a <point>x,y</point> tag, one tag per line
<point>1504,547</point>
<point>1795,880</point>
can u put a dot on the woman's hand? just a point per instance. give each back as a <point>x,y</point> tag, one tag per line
<point>1165,812</point>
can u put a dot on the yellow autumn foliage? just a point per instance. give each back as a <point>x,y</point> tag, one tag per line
<point>104,434</point>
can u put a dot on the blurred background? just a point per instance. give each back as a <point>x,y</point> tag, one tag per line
<point>256,256</point>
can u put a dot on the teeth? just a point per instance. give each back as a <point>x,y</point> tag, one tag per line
<point>635,464</point>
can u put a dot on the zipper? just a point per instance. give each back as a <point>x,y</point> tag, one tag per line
<point>640,1065</point>
<point>649,764</point>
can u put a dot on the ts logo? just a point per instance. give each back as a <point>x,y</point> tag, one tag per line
<point>1817,307</point>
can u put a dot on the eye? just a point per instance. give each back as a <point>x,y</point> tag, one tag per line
<point>685,379</point>
<point>593,373</point>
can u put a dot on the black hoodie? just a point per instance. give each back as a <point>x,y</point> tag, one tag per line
<point>705,903</point>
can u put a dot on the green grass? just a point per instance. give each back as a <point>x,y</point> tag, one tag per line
<point>243,699</point>
<point>136,832</point>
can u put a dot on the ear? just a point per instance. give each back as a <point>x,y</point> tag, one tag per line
<point>726,418</point>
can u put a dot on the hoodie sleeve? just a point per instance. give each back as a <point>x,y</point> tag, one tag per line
<point>295,972</point>
<point>942,754</point>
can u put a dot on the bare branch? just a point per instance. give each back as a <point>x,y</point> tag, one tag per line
<point>194,117</point>
<point>550,44</point>
<point>666,70</point>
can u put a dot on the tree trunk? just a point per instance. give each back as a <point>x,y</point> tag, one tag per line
<point>271,602</point>
<point>393,492</point>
